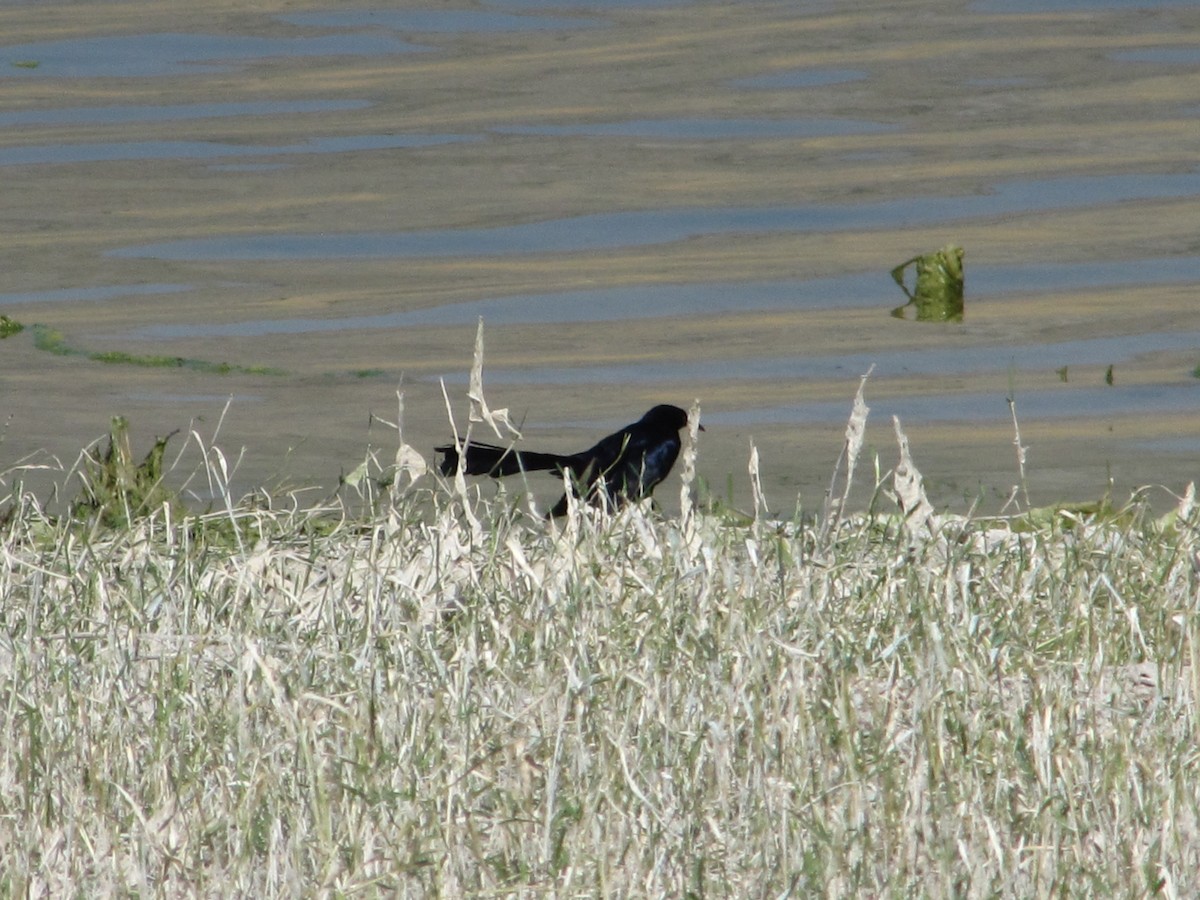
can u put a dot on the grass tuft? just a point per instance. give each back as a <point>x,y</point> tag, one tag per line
<point>115,490</point>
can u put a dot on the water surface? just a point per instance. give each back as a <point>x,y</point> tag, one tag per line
<point>799,78</point>
<point>925,361</point>
<point>1171,56</point>
<point>704,128</point>
<point>1054,403</point>
<point>96,293</point>
<point>436,20</point>
<point>129,114</point>
<point>598,5</point>
<point>603,231</point>
<point>643,301</point>
<point>1048,6</point>
<point>151,55</point>
<point>109,151</point>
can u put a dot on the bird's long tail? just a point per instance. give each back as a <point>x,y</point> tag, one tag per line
<point>490,459</point>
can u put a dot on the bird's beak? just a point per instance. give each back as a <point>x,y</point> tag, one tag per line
<point>701,428</point>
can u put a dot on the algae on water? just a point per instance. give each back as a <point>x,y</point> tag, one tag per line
<point>51,340</point>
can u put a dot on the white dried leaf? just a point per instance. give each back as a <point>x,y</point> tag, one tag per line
<point>910,488</point>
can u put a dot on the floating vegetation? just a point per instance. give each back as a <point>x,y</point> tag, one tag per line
<point>52,341</point>
<point>1108,376</point>
<point>25,63</point>
<point>9,327</point>
<point>938,292</point>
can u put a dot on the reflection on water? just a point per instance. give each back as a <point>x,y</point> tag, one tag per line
<point>57,154</point>
<point>705,129</point>
<point>627,229</point>
<point>127,114</point>
<point>145,55</point>
<point>644,301</point>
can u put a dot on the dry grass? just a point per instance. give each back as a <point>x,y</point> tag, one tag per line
<point>440,695</point>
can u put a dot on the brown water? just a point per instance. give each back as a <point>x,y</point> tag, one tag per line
<point>646,202</point>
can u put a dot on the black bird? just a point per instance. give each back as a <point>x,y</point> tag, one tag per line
<point>626,465</point>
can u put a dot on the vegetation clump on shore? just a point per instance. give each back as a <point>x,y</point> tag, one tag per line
<point>418,690</point>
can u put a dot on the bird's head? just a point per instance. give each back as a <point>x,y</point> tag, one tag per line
<point>667,416</point>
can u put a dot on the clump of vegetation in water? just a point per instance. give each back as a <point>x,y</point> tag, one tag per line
<point>9,327</point>
<point>938,292</point>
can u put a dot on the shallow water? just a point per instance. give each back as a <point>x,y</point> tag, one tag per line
<point>437,20</point>
<point>1170,56</point>
<point>60,154</point>
<point>1000,358</point>
<point>90,294</point>
<point>644,201</point>
<point>152,55</point>
<point>127,113</point>
<point>1046,6</point>
<point>980,407</point>
<point>799,78</point>
<point>597,5</point>
<point>659,226</point>
<point>704,129</point>
<point>855,290</point>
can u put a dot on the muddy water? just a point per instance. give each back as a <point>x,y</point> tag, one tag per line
<point>646,202</point>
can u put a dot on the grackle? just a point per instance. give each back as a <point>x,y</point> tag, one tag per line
<point>626,465</point>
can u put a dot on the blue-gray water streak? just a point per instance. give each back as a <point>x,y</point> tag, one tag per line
<point>96,293</point>
<point>887,363</point>
<point>703,128</point>
<point>1169,56</point>
<point>648,301</point>
<point>471,21</point>
<point>602,231</point>
<point>60,154</point>
<point>1055,403</point>
<point>128,113</point>
<point>799,78</point>
<point>149,55</point>
<point>1044,6</point>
